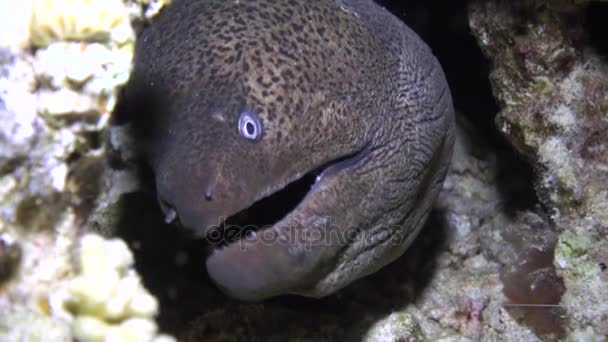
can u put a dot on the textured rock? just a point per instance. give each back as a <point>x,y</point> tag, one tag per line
<point>394,327</point>
<point>55,101</point>
<point>552,86</point>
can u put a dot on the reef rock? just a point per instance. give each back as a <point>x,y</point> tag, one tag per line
<point>550,78</point>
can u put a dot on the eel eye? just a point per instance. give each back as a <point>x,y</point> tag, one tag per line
<point>250,126</point>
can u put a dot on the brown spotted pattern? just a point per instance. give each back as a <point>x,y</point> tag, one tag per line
<point>328,79</point>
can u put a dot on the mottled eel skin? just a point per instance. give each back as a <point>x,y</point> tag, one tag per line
<point>236,99</point>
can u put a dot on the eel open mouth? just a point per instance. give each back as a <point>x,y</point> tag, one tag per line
<point>269,210</point>
<point>251,264</point>
<point>263,213</point>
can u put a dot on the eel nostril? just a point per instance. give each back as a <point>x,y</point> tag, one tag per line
<point>209,192</point>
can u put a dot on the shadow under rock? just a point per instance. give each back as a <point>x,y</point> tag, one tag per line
<point>597,12</point>
<point>193,309</point>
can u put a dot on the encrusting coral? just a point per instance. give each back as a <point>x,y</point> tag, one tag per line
<point>551,81</point>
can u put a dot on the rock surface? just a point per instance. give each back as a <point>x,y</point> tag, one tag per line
<point>552,85</point>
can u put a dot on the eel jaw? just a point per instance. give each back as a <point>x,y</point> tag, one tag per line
<point>259,261</point>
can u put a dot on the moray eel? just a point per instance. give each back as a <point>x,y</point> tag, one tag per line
<point>238,99</point>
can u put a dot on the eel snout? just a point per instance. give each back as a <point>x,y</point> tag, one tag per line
<point>198,195</point>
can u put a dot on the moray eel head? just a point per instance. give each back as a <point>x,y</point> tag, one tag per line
<point>239,102</point>
<point>227,131</point>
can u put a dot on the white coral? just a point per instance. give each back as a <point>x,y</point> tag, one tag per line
<point>54,20</point>
<point>107,297</point>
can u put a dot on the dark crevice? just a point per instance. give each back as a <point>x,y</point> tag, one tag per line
<point>443,25</point>
<point>597,13</point>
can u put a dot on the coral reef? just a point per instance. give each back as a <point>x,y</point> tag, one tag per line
<point>393,328</point>
<point>80,20</point>
<point>61,65</point>
<point>552,86</point>
<point>507,254</point>
<point>14,26</point>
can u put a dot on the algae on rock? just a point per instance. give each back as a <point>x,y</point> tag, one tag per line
<point>552,86</point>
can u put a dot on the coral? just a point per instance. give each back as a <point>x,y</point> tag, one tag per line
<point>107,297</point>
<point>79,80</point>
<point>22,324</point>
<point>552,84</point>
<point>28,309</point>
<point>395,327</point>
<point>14,23</point>
<point>55,101</point>
<point>80,20</point>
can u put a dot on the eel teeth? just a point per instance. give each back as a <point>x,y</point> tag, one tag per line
<point>170,215</point>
